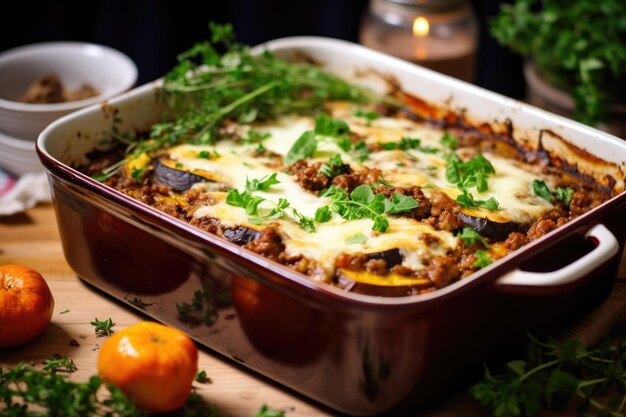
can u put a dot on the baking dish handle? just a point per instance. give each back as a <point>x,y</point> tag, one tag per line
<point>607,246</point>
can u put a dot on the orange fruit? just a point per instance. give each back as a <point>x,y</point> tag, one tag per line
<point>26,305</point>
<point>153,364</point>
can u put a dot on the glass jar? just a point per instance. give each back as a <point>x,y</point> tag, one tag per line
<point>438,34</point>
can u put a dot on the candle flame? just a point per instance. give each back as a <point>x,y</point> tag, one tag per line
<point>420,27</point>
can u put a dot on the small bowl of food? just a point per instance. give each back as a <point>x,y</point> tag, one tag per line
<point>44,81</point>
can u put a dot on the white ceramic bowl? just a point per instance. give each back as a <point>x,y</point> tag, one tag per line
<point>75,63</point>
<point>18,156</point>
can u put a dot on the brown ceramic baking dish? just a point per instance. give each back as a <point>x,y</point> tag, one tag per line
<point>359,354</point>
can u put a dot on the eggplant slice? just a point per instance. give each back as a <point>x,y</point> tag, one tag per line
<point>390,285</point>
<point>393,257</point>
<point>176,179</point>
<point>241,235</point>
<point>495,231</point>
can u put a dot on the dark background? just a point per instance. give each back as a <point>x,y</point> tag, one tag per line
<point>153,32</point>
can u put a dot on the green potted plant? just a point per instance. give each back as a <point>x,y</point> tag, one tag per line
<point>575,54</point>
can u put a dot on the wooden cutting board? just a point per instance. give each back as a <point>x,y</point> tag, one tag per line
<point>32,239</point>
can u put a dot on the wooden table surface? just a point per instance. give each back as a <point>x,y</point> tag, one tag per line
<point>32,239</point>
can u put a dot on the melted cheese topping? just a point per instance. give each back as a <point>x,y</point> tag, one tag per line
<point>237,162</point>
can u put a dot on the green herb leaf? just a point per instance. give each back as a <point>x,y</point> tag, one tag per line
<point>470,236</point>
<point>202,377</point>
<point>564,194</point>
<point>467,200</point>
<point>266,411</point>
<point>358,238</point>
<point>406,144</point>
<point>104,327</point>
<point>303,148</point>
<point>541,189</point>
<point>368,115</point>
<point>362,194</point>
<point>449,141</point>
<point>262,184</point>
<point>323,214</point>
<point>306,223</point>
<point>57,363</point>
<point>401,204</point>
<point>244,200</point>
<point>208,155</point>
<point>333,167</point>
<point>327,126</point>
<point>482,259</point>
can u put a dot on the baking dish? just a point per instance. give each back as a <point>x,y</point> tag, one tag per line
<point>359,354</point>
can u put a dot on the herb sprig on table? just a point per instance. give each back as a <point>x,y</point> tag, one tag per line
<point>554,375</point>
<point>220,79</point>
<point>29,392</point>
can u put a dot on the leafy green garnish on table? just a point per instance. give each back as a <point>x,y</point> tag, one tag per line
<point>202,377</point>
<point>104,327</point>
<point>266,411</point>
<point>27,392</point>
<point>552,375</point>
<point>59,363</point>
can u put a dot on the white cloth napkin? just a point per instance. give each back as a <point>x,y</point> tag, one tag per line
<point>28,190</point>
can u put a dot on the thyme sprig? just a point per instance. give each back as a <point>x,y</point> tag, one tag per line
<point>220,79</point>
<point>552,375</point>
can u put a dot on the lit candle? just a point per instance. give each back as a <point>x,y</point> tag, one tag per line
<point>420,31</point>
<point>441,39</point>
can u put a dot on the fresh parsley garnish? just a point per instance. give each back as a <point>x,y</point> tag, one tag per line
<point>302,148</point>
<point>470,236</point>
<point>482,259</point>
<point>327,126</point>
<point>406,144</point>
<point>261,184</point>
<point>472,173</point>
<point>208,155</point>
<point>468,201</point>
<point>306,223</point>
<point>251,204</point>
<point>256,138</point>
<point>449,141</point>
<point>362,203</point>
<point>244,200</point>
<point>323,214</point>
<point>563,194</point>
<point>332,167</point>
<point>370,116</point>
<point>104,327</point>
<point>137,174</point>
